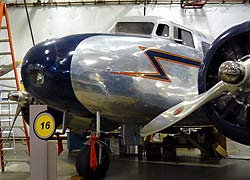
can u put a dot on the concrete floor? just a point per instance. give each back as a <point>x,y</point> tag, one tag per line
<point>186,167</point>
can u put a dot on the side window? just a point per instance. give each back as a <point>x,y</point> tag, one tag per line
<point>184,37</point>
<point>162,30</point>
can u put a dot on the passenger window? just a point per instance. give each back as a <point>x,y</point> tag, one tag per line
<point>162,30</point>
<point>184,37</point>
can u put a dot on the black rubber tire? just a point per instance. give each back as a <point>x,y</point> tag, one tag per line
<point>83,166</point>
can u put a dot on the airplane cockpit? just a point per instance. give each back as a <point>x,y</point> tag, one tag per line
<point>160,28</point>
<point>140,28</point>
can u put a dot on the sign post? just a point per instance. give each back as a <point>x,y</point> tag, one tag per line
<point>43,154</point>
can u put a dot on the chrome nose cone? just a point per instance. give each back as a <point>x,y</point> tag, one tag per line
<point>14,96</point>
<point>231,72</point>
<point>22,97</point>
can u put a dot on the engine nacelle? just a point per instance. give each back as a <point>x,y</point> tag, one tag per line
<point>230,113</point>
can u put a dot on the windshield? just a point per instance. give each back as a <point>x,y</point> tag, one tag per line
<point>134,27</point>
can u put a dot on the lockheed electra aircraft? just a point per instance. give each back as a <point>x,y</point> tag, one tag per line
<point>144,66</point>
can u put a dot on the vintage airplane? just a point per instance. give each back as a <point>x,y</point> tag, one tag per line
<point>130,75</point>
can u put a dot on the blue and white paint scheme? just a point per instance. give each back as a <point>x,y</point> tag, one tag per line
<point>143,66</point>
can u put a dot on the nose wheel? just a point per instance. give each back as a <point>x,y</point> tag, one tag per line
<point>93,160</point>
<point>83,165</point>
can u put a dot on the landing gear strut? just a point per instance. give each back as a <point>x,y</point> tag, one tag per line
<point>93,160</point>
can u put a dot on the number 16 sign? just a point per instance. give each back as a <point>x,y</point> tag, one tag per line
<point>44,126</point>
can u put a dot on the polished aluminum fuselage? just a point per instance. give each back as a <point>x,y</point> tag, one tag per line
<point>128,78</point>
<point>99,85</point>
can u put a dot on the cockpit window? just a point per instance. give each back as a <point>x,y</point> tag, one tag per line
<point>184,37</point>
<point>145,28</point>
<point>162,30</point>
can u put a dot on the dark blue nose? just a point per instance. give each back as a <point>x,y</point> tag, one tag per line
<point>46,73</point>
<point>39,69</point>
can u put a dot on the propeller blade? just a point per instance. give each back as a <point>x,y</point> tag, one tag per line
<point>18,110</point>
<point>3,85</point>
<point>183,109</point>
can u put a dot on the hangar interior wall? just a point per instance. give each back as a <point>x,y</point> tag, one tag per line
<point>50,22</point>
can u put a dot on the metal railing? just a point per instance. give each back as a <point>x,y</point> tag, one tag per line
<point>114,2</point>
